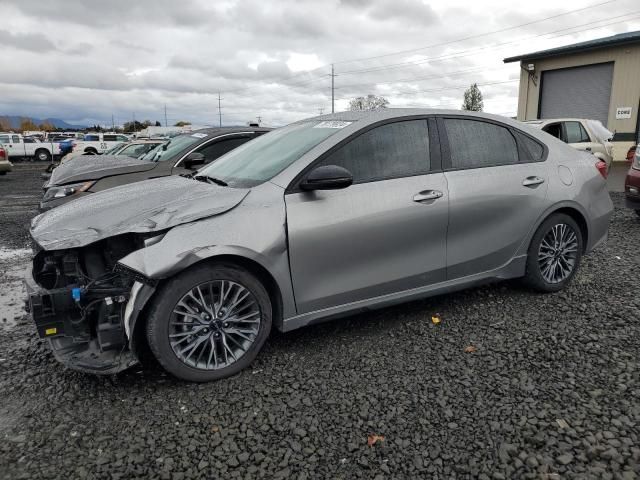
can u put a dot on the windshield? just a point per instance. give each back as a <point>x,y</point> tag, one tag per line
<point>169,149</point>
<point>261,159</point>
<point>113,150</point>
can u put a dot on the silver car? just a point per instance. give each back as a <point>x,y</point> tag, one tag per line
<point>319,219</point>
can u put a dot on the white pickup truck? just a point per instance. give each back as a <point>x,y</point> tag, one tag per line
<point>95,143</point>
<point>18,146</point>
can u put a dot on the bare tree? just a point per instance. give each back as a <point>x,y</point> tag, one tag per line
<point>370,102</point>
<point>473,99</point>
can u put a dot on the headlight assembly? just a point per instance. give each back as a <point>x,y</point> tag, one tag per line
<point>66,190</point>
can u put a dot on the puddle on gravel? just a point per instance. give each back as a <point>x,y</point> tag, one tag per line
<point>13,263</point>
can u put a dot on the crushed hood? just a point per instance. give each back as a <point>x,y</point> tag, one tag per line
<point>95,167</point>
<point>148,206</point>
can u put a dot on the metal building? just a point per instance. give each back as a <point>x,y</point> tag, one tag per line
<point>598,79</point>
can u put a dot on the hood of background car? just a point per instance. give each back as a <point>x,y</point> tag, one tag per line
<point>148,206</point>
<point>95,167</point>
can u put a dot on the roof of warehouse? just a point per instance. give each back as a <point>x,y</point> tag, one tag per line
<point>619,39</point>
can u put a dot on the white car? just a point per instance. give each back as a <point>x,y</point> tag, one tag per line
<point>18,146</point>
<point>94,143</point>
<point>581,133</point>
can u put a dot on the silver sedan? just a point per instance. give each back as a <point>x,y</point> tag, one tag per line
<point>316,220</point>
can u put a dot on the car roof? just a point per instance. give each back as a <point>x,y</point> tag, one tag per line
<point>215,131</point>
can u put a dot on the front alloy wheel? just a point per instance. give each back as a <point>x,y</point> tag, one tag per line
<point>554,253</point>
<point>214,324</point>
<point>209,322</point>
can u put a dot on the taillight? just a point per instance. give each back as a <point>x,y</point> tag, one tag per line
<point>602,168</point>
<point>2,153</point>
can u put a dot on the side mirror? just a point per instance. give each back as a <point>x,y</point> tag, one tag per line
<point>327,177</point>
<point>193,159</point>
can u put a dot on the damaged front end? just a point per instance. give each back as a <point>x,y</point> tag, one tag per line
<point>82,303</point>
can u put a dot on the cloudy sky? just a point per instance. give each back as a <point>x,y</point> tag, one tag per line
<point>85,61</point>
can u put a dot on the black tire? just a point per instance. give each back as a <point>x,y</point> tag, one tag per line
<point>161,313</point>
<point>43,155</point>
<point>534,277</point>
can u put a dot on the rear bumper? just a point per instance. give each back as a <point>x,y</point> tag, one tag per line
<point>100,349</point>
<point>632,189</point>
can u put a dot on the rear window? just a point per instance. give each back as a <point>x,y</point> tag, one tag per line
<point>91,138</point>
<point>530,150</point>
<point>475,144</point>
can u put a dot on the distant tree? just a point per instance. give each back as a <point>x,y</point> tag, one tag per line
<point>27,124</point>
<point>146,123</point>
<point>158,124</point>
<point>130,126</point>
<point>473,99</point>
<point>182,123</point>
<point>5,124</point>
<point>370,102</point>
<point>46,127</point>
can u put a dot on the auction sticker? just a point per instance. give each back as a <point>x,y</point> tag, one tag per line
<point>332,124</point>
<point>199,135</point>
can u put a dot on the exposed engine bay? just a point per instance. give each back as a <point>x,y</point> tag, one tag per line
<point>80,300</point>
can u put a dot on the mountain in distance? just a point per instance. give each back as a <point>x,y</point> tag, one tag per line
<point>14,120</point>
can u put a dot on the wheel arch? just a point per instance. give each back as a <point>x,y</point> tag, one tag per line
<point>580,219</point>
<point>42,149</point>
<point>138,338</point>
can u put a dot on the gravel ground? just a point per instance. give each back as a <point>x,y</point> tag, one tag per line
<point>551,390</point>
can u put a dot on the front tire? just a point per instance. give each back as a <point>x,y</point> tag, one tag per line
<point>554,254</point>
<point>209,322</point>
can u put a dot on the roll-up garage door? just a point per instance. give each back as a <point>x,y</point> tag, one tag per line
<point>580,92</point>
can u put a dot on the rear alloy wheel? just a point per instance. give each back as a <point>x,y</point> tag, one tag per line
<point>554,254</point>
<point>43,155</point>
<point>209,322</point>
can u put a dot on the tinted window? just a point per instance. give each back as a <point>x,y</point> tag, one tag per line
<point>109,138</point>
<point>28,140</point>
<point>555,130</point>
<point>214,150</point>
<point>531,151</point>
<point>476,144</point>
<point>91,138</point>
<point>16,139</point>
<point>399,149</point>
<point>576,132</point>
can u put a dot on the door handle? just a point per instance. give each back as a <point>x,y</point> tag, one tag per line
<point>532,181</point>
<point>427,195</point>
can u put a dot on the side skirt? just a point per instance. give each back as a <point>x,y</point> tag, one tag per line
<point>514,269</point>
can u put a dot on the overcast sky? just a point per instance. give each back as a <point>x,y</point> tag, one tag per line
<point>85,61</point>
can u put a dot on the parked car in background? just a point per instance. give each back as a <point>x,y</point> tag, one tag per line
<point>319,219</point>
<point>581,134</point>
<point>131,149</point>
<point>632,183</point>
<point>183,154</point>
<point>98,142</point>
<point>631,154</point>
<point>18,146</point>
<point>5,165</point>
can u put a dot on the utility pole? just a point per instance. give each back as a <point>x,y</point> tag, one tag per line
<point>333,76</point>
<point>259,119</point>
<point>320,110</point>
<point>113,124</point>
<point>134,123</point>
<point>219,110</point>
<point>165,114</point>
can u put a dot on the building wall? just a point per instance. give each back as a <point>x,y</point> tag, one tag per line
<point>625,88</point>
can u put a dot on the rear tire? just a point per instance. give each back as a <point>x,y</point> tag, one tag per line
<point>192,307</point>
<point>43,155</point>
<point>554,254</point>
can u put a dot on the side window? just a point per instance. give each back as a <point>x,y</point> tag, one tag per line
<point>554,129</point>
<point>476,144</point>
<point>576,132</point>
<point>5,139</point>
<point>211,151</point>
<point>91,138</point>
<point>15,139</point>
<point>530,150</point>
<point>122,138</point>
<point>399,149</point>
<point>110,138</point>
<point>28,140</point>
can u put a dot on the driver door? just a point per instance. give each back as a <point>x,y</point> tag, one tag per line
<point>384,234</point>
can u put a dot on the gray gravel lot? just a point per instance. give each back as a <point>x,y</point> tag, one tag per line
<point>551,391</point>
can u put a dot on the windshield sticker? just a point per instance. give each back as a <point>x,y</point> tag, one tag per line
<point>332,124</point>
<point>199,135</point>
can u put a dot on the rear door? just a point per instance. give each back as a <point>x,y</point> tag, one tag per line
<point>29,146</point>
<point>497,182</point>
<point>385,233</point>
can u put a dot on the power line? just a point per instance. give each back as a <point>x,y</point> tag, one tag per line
<point>400,52</point>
